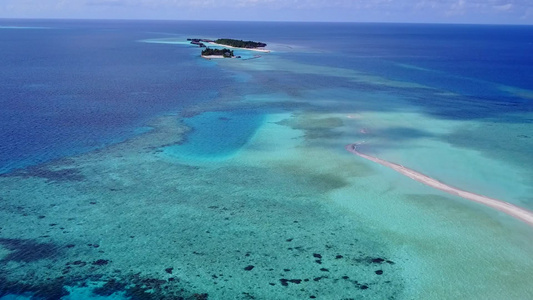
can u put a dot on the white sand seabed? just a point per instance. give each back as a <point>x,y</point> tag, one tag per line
<point>505,207</point>
<point>250,49</point>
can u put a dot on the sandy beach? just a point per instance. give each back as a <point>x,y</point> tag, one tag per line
<point>505,207</point>
<point>251,49</point>
<point>212,56</point>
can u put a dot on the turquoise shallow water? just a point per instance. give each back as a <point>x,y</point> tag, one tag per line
<point>169,176</point>
<point>215,135</point>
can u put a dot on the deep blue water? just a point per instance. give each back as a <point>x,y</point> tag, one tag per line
<point>80,85</point>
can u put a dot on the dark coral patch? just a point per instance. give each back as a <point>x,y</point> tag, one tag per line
<point>285,282</point>
<point>201,296</point>
<point>78,263</point>
<point>374,260</point>
<point>28,250</point>
<point>297,281</point>
<point>101,262</point>
<point>71,174</point>
<point>49,291</point>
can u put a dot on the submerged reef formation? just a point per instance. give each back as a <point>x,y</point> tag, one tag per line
<point>192,232</point>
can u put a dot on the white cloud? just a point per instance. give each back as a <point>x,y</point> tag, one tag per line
<point>504,7</point>
<point>457,8</point>
<point>498,11</point>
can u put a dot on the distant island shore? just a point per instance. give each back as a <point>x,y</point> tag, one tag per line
<point>230,43</point>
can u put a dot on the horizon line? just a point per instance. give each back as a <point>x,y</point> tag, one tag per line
<point>261,21</point>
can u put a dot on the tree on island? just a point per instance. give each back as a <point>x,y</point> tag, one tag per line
<point>223,52</point>
<point>240,43</point>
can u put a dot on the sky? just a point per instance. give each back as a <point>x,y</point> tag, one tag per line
<point>411,11</point>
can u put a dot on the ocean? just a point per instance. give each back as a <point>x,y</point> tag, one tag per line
<point>132,168</point>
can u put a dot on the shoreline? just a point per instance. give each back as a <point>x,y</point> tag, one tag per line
<point>209,57</point>
<point>250,49</point>
<point>512,210</point>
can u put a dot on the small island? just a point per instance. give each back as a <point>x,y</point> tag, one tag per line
<point>217,53</point>
<point>230,43</point>
<point>240,43</point>
<point>200,42</point>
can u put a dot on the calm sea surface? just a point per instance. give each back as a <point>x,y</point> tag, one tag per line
<point>132,168</point>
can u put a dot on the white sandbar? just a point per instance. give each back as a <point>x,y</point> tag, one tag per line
<point>505,207</point>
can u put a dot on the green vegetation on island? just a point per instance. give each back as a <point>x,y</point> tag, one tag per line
<point>240,43</point>
<point>222,52</point>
